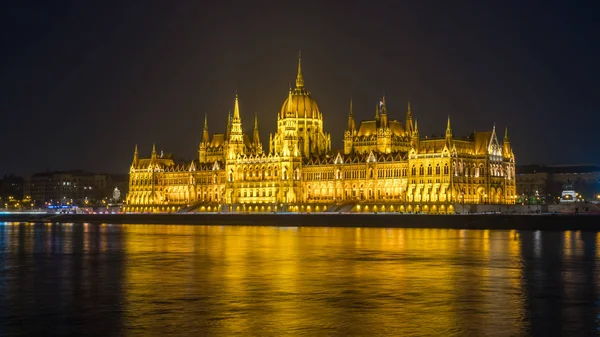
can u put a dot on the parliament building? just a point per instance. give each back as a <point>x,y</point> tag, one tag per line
<point>385,166</point>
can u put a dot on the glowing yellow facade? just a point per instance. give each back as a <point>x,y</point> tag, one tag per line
<point>385,167</point>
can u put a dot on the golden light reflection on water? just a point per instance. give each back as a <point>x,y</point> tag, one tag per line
<point>250,280</point>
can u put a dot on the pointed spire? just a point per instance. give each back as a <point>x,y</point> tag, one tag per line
<point>255,136</point>
<point>377,111</point>
<point>236,108</point>
<point>383,109</point>
<point>383,105</point>
<point>135,154</point>
<point>507,152</point>
<point>299,79</point>
<point>228,124</point>
<point>351,125</point>
<point>414,137</point>
<point>409,121</point>
<point>448,131</point>
<point>153,150</point>
<point>205,137</point>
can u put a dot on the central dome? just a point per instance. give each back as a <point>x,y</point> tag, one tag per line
<point>299,100</point>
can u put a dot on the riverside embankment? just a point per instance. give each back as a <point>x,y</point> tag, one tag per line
<point>471,221</point>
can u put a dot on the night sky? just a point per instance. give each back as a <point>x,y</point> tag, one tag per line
<point>82,82</point>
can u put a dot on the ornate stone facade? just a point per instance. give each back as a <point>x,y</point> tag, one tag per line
<point>385,166</point>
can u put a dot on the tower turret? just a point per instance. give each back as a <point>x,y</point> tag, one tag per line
<point>351,124</point>
<point>506,149</point>
<point>136,156</point>
<point>350,132</point>
<point>204,144</point>
<point>153,154</point>
<point>383,109</point>
<point>256,136</point>
<point>448,130</point>
<point>205,136</point>
<point>236,135</point>
<point>414,139</point>
<point>409,121</point>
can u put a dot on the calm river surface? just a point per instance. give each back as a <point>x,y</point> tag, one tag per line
<point>122,280</point>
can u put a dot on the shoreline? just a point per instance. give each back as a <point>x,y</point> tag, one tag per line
<point>589,222</point>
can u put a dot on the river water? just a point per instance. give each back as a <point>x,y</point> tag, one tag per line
<point>140,280</point>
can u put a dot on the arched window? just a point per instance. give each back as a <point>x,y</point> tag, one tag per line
<point>429,170</point>
<point>414,171</point>
<point>421,170</point>
<point>437,169</point>
<point>446,169</point>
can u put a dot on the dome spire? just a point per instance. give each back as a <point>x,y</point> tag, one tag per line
<point>236,107</point>
<point>299,79</point>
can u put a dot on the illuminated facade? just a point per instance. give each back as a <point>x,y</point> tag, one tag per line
<point>385,166</point>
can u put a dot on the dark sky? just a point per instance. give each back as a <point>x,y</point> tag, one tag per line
<point>83,81</point>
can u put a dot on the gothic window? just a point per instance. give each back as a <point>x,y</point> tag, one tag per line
<point>414,171</point>
<point>446,169</point>
<point>429,170</point>
<point>437,169</point>
<point>421,170</point>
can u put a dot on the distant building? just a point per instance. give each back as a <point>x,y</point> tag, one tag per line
<point>547,182</point>
<point>73,187</point>
<point>385,165</point>
<point>11,187</point>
